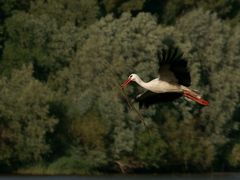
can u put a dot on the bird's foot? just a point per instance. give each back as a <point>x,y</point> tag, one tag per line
<point>197,93</point>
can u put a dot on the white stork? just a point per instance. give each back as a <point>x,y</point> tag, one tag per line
<point>172,83</point>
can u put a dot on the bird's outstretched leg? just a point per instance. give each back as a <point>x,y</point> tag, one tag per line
<point>193,95</point>
<point>193,92</point>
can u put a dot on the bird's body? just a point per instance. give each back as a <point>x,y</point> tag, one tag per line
<point>172,83</point>
<point>157,86</point>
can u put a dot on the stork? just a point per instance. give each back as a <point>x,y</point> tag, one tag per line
<point>173,81</point>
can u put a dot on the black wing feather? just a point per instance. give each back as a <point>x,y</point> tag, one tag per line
<point>163,55</point>
<point>149,98</point>
<point>174,54</point>
<point>177,64</point>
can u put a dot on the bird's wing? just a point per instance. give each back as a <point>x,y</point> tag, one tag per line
<point>149,98</point>
<point>173,67</point>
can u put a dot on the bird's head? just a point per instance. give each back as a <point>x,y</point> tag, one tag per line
<point>131,77</point>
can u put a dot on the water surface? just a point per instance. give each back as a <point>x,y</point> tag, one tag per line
<point>225,176</point>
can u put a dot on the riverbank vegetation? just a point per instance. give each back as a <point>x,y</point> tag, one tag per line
<point>61,62</point>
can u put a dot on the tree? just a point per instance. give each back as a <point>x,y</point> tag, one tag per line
<point>25,121</point>
<point>120,6</point>
<point>80,13</point>
<point>214,53</point>
<point>120,47</point>
<point>81,61</point>
<point>46,35</point>
<point>28,41</point>
<point>7,9</point>
<point>234,157</point>
<point>188,148</point>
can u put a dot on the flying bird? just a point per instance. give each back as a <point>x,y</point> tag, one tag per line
<point>173,81</point>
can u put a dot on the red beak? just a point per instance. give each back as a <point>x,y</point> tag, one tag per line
<point>125,83</point>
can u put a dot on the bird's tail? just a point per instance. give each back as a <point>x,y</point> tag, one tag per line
<point>195,98</point>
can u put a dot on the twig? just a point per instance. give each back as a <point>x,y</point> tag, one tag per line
<point>138,113</point>
<point>126,97</point>
<point>133,107</point>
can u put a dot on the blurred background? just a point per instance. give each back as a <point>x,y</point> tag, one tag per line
<point>61,64</point>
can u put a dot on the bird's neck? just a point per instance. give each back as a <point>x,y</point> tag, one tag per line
<point>141,83</point>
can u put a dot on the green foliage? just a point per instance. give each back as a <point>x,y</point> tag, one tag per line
<point>223,8</point>
<point>81,13</point>
<point>1,39</point>
<point>150,150</point>
<point>169,11</point>
<point>89,131</point>
<point>24,118</point>
<point>46,35</point>
<point>234,157</point>
<point>176,8</point>
<point>28,41</point>
<point>32,170</point>
<point>216,57</point>
<point>188,147</point>
<point>69,166</point>
<point>8,7</point>
<point>103,80</point>
<point>120,6</point>
<point>75,120</point>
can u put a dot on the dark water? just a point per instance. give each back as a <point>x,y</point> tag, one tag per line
<point>232,176</point>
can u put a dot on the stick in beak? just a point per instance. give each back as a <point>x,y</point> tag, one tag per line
<point>125,83</point>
